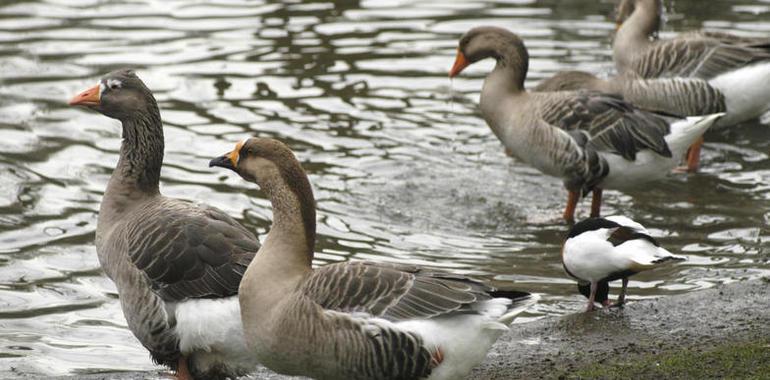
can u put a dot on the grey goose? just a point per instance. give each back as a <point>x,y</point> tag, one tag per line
<point>672,96</point>
<point>591,140</point>
<point>353,320</point>
<point>176,264</point>
<point>737,66</point>
<point>599,250</point>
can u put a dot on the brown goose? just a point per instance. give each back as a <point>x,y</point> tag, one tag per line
<point>176,264</point>
<point>739,67</point>
<point>672,96</point>
<point>589,139</point>
<point>353,320</point>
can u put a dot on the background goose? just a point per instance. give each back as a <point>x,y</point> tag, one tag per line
<point>738,66</point>
<point>176,265</point>
<point>599,250</point>
<point>353,320</point>
<point>589,139</point>
<point>673,96</point>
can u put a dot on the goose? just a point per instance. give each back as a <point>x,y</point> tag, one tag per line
<point>592,140</point>
<point>353,320</point>
<point>737,66</point>
<point>176,264</point>
<point>599,250</point>
<point>672,96</point>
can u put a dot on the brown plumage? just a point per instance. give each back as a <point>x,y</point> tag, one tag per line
<point>352,320</point>
<point>590,139</point>
<point>163,253</point>
<point>702,55</point>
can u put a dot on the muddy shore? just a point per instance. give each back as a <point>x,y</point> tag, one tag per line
<point>727,323</point>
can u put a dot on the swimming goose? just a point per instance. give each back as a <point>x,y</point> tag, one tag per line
<point>589,139</point>
<point>739,67</point>
<point>353,320</point>
<point>599,250</point>
<point>176,264</point>
<point>672,96</point>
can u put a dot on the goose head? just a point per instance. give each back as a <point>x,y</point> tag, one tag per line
<point>649,8</point>
<point>272,166</point>
<point>120,95</point>
<point>490,42</point>
<point>263,161</point>
<point>505,47</point>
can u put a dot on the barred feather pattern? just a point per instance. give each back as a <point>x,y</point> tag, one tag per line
<point>341,345</point>
<point>612,125</point>
<point>674,96</point>
<point>701,58</point>
<point>347,313</point>
<point>393,292</point>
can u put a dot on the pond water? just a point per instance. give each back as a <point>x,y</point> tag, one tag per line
<point>403,167</point>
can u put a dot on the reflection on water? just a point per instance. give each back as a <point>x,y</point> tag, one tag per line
<point>403,166</point>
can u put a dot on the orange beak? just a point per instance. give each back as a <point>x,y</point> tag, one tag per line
<point>460,64</point>
<point>89,97</point>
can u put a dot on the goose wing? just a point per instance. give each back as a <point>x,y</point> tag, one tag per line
<point>394,292</point>
<point>189,251</point>
<point>674,96</point>
<point>610,123</point>
<point>699,58</point>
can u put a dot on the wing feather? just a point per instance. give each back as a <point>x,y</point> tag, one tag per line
<point>393,292</point>
<point>189,251</point>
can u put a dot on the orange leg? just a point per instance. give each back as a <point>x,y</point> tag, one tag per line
<point>182,372</point>
<point>596,203</point>
<point>693,155</point>
<point>569,212</point>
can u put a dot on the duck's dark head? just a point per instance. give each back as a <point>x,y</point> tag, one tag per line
<point>120,95</point>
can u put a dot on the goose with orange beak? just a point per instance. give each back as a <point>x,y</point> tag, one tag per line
<point>591,140</point>
<point>176,264</point>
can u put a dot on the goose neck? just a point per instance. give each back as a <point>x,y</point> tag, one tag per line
<point>141,154</point>
<point>291,239</point>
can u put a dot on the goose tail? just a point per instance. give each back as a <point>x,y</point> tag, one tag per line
<point>520,301</point>
<point>687,131</point>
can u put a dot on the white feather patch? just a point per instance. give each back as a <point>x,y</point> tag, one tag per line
<point>211,330</point>
<point>746,91</point>
<point>648,166</point>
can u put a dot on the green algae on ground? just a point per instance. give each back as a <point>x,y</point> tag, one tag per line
<point>729,361</point>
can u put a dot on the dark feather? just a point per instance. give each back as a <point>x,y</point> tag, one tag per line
<point>190,252</point>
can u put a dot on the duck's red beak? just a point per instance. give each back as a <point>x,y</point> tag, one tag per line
<point>89,97</point>
<point>460,64</point>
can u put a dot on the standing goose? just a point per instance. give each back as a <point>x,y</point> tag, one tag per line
<point>739,67</point>
<point>591,140</point>
<point>672,96</point>
<point>353,320</point>
<point>599,250</point>
<point>176,264</point>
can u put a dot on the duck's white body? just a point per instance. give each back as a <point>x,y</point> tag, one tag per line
<point>590,256</point>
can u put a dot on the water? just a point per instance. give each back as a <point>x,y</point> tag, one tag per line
<point>403,166</point>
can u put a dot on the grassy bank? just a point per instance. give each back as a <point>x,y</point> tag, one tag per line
<point>728,361</point>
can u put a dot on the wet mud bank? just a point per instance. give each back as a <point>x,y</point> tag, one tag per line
<point>652,338</point>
